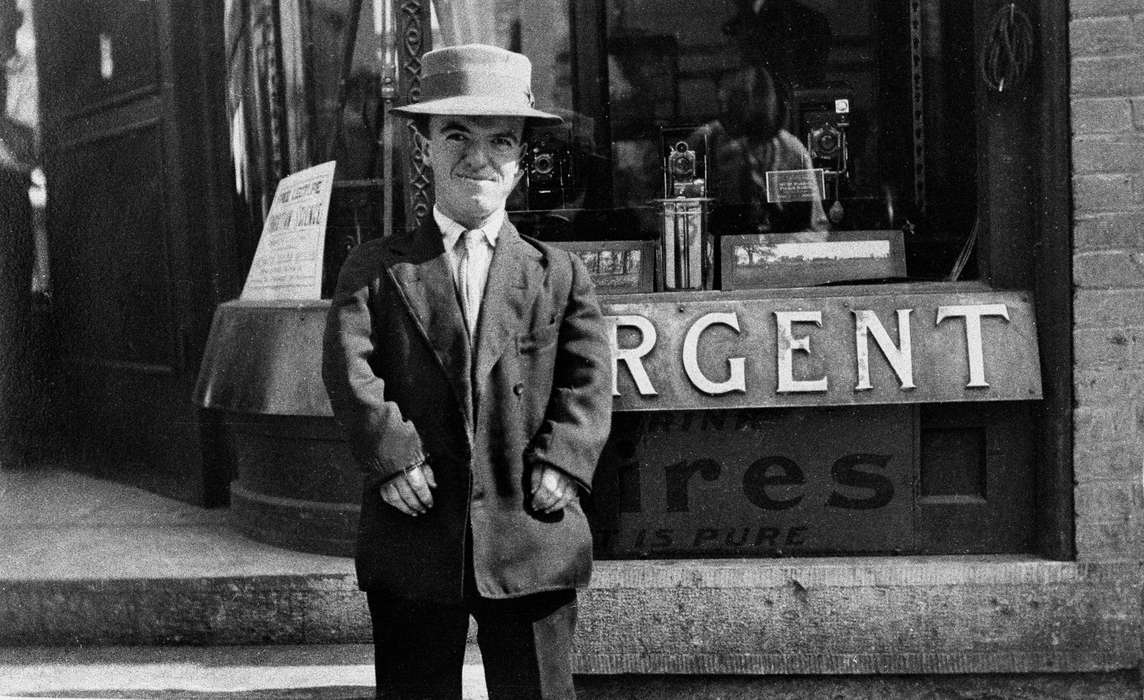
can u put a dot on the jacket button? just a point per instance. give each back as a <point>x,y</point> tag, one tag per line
<point>518,389</point>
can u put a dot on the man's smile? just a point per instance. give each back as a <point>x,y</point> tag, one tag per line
<point>475,177</point>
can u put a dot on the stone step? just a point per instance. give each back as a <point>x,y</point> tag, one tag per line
<point>171,584</point>
<point>88,561</point>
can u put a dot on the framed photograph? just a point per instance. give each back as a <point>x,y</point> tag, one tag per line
<point>810,258</point>
<point>617,267</point>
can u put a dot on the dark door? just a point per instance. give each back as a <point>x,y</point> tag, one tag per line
<point>135,151</point>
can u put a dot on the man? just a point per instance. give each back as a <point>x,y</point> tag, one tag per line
<point>749,141</point>
<point>471,371</point>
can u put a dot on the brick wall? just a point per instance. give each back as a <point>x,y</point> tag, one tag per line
<point>1107,95</point>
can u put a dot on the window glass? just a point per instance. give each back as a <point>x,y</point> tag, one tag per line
<point>540,29</point>
<point>755,106</point>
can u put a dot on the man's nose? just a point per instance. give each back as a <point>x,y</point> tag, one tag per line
<point>477,152</point>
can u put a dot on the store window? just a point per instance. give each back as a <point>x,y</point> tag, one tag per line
<point>856,127</point>
<point>876,97</point>
<point>783,85</point>
<point>814,223</point>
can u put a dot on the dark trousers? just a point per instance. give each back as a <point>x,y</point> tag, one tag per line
<point>526,645</point>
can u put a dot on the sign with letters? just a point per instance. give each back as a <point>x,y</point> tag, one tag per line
<point>823,347</point>
<point>757,482</point>
<point>796,185</point>
<point>288,261</point>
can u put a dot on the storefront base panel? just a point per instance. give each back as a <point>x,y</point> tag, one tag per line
<point>916,615</point>
<point>1108,686</point>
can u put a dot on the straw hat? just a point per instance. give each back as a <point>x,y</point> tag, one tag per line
<point>476,80</point>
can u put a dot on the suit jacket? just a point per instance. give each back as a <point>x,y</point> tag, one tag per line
<point>534,388</point>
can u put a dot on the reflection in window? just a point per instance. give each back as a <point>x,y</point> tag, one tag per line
<point>876,95</point>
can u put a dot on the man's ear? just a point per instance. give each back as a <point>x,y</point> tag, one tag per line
<point>520,163</point>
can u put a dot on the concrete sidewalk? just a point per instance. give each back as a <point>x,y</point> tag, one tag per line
<point>234,673</point>
<point>57,524</point>
<point>92,562</point>
<point>113,592</point>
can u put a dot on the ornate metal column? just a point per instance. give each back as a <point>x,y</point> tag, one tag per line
<point>415,38</point>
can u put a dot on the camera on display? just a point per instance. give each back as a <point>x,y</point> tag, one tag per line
<point>681,162</point>
<point>684,164</point>
<point>548,170</point>
<point>823,115</point>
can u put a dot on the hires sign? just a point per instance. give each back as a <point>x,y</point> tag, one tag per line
<point>758,481</point>
<point>730,350</point>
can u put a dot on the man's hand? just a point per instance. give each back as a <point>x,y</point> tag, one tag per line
<point>409,492</point>
<point>552,489</point>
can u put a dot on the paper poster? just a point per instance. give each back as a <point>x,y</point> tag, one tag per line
<point>288,262</point>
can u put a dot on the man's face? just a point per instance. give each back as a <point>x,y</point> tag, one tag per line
<point>475,163</point>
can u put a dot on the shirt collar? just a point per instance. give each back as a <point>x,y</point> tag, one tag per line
<point>451,231</point>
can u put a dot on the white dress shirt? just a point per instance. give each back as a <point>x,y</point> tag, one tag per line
<point>479,257</point>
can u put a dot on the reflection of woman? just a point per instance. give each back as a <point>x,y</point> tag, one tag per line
<point>16,146</point>
<point>16,139</point>
<point>748,141</point>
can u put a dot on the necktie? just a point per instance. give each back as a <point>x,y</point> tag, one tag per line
<point>467,278</point>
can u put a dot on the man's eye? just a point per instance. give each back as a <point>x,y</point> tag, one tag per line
<point>505,143</point>
<point>456,137</point>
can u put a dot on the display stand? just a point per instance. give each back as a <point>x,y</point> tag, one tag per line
<point>295,483</point>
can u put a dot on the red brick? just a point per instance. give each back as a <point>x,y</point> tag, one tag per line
<point>1137,113</point>
<point>1107,76</point>
<point>1096,36</point>
<point>1112,460</point>
<point>1101,115</point>
<point>1102,424</point>
<point>1097,540</point>
<point>1098,348</point>
<point>1109,500</point>
<point>1118,154</point>
<point>1122,230</point>
<point>1116,192</point>
<point>1108,309</point>
<point>1105,8</point>
<point>1094,388</point>
<point>1109,269</point>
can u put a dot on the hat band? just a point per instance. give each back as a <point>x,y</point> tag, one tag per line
<point>509,88</point>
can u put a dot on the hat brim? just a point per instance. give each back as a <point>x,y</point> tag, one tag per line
<point>474,106</point>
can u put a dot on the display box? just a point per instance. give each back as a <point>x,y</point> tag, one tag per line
<point>809,258</point>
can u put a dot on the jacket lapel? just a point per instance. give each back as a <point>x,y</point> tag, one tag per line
<point>516,275</point>
<point>421,271</point>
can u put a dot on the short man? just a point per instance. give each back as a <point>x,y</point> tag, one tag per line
<point>470,368</point>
